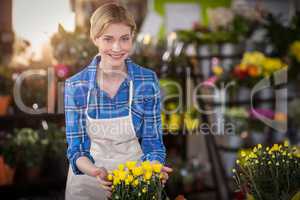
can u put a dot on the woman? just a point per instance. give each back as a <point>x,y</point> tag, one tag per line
<point>112,109</point>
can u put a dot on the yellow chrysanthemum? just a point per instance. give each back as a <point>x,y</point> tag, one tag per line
<point>157,167</point>
<point>191,124</point>
<point>135,182</point>
<point>147,175</point>
<point>253,58</point>
<point>147,166</point>
<point>252,155</point>
<point>217,70</point>
<point>174,122</point>
<point>122,175</point>
<point>110,177</point>
<point>130,164</point>
<point>295,50</point>
<point>121,167</point>
<point>137,171</point>
<point>286,143</point>
<point>116,181</point>
<point>275,147</point>
<point>243,154</point>
<point>130,178</point>
<point>116,173</point>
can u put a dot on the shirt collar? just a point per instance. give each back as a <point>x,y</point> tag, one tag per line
<point>92,69</point>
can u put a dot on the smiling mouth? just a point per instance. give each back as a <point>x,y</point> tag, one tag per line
<point>116,56</point>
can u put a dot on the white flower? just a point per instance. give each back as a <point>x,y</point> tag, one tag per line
<point>219,17</point>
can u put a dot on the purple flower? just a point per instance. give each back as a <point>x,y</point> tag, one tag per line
<point>254,113</point>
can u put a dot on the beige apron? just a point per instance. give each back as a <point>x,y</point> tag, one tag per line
<point>113,141</point>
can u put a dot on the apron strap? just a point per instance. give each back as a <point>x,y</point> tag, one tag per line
<point>130,95</point>
<point>87,102</point>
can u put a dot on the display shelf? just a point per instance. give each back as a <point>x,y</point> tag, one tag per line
<point>42,188</point>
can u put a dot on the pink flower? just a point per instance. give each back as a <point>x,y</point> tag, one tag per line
<point>61,70</point>
<point>210,81</point>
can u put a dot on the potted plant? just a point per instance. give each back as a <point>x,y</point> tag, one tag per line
<point>134,181</point>
<point>269,172</point>
<point>29,152</point>
<point>7,161</point>
<point>6,84</point>
<point>55,151</point>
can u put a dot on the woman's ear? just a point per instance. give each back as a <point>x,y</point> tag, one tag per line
<point>95,40</point>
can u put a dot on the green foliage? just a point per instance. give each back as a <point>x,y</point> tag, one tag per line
<point>6,82</point>
<point>280,35</point>
<point>235,32</point>
<point>74,49</point>
<point>28,147</point>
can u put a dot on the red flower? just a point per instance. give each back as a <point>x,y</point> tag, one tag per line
<point>240,72</point>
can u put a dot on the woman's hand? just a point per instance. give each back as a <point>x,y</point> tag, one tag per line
<point>87,167</point>
<point>101,175</point>
<point>165,171</point>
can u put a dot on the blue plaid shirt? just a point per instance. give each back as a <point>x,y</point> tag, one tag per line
<point>145,110</point>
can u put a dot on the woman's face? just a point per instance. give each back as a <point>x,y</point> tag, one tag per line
<point>114,44</point>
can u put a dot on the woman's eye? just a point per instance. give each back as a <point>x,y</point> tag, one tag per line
<point>107,39</point>
<point>125,39</point>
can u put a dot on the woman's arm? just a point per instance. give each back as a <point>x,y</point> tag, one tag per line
<point>151,137</point>
<point>77,138</point>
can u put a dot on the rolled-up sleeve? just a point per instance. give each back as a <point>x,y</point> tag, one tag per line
<point>152,137</point>
<point>77,138</point>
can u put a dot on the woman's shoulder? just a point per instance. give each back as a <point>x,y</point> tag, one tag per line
<point>143,74</point>
<point>145,80</point>
<point>80,79</point>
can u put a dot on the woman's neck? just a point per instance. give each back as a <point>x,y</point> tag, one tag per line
<point>111,72</point>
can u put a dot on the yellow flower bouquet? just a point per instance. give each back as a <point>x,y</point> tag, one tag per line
<point>139,182</point>
<point>269,173</point>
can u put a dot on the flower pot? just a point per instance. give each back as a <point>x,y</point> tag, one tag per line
<point>295,197</point>
<point>27,174</point>
<point>33,173</point>
<point>228,49</point>
<point>4,104</point>
<point>232,49</point>
<point>204,50</point>
<point>6,173</point>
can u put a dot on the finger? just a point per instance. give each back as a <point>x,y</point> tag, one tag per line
<point>106,183</point>
<point>103,181</point>
<point>106,188</point>
<point>167,169</point>
<point>165,176</point>
<point>108,194</point>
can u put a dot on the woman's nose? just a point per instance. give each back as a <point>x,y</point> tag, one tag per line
<point>116,46</point>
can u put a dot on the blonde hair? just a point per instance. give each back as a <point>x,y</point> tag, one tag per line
<point>108,14</point>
